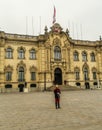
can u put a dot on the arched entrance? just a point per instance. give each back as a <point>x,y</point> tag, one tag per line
<point>58,76</point>
<point>21,87</point>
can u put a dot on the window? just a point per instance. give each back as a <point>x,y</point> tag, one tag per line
<point>92,57</point>
<point>32,54</point>
<point>84,56</point>
<point>76,57</point>
<point>8,86</point>
<point>95,83</point>
<point>78,84</point>
<point>33,85</point>
<point>77,75</point>
<point>21,54</point>
<point>94,75</point>
<point>21,74</point>
<point>9,53</point>
<point>33,76</point>
<point>85,74</point>
<point>57,53</point>
<point>8,76</point>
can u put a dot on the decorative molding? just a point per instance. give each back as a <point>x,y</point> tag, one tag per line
<point>33,69</point>
<point>8,68</point>
<point>57,41</point>
<point>21,64</point>
<point>22,47</point>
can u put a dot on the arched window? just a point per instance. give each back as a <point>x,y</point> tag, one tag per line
<point>9,53</point>
<point>21,53</point>
<point>92,57</point>
<point>84,56</point>
<point>32,54</point>
<point>21,74</point>
<point>57,53</point>
<point>85,70</point>
<point>76,56</point>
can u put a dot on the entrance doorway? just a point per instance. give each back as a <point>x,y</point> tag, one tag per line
<point>87,85</point>
<point>58,76</point>
<point>21,87</point>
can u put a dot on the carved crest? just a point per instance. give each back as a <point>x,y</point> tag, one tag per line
<point>56,28</point>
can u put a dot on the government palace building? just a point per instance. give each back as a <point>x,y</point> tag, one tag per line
<point>40,62</point>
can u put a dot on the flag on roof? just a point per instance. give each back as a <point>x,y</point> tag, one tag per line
<point>54,15</point>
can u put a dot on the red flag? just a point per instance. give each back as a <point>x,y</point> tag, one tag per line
<point>54,15</point>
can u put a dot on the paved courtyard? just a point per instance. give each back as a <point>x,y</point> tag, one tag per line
<point>80,110</point>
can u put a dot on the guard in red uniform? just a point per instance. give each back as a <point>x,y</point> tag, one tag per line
<point>57,93</point>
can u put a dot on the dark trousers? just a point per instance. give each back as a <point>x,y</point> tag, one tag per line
<point>57,103</point>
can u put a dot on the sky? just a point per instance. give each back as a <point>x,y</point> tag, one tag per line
<point>82,17</point>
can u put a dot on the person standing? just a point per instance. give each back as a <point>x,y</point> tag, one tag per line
<point>57,93</point>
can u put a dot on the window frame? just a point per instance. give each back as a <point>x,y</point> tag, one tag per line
<point>92,57</point>
<point>33,75</point>
<point>21,53</point>
<point>8,75</point>
<point>21,74</point>
<point>84,56</point>
<point>57,53</point>
<point>32,54</point>
<point>76,56</point>
<point>9,53</point>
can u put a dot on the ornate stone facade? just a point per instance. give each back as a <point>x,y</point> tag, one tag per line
<point>51,58</point>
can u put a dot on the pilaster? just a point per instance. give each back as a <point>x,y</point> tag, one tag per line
<point>2,55</point>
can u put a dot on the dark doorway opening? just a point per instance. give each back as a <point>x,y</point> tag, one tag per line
<point>21,87</point>
<point>87,85</point>
<point>58,76</point>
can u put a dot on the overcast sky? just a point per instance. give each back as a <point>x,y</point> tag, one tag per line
<point>83,18</point>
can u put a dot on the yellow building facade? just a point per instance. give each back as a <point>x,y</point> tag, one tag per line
<point>45,60</point>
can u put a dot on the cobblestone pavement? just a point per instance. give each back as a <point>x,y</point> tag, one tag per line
<point>80,110</point>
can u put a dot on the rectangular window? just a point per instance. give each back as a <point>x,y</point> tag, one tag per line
<point>32,55</point>
<point>21,76</point>
<point>9,53</point>
<point>33,76</point>
<point>92,58</point>
<point>21,54</point>
<point>8,76</point>
<point>77,75</point>
<point>75,58</point>
<point>94,75</point>
<point>86,75</point>
<point>84,58</point>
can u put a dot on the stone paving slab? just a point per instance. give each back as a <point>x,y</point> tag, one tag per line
<point>80,110</point>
